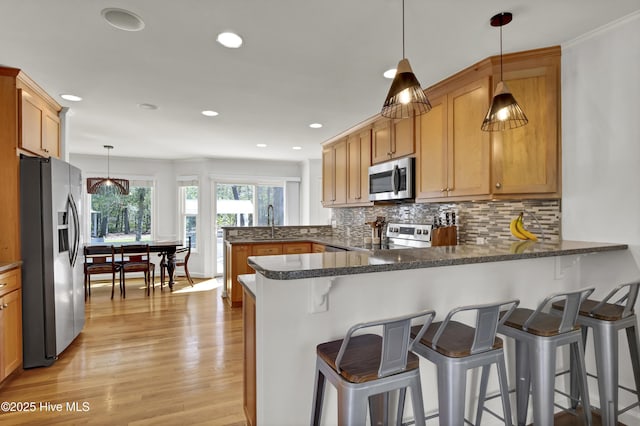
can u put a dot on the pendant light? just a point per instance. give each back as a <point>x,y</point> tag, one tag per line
<point>405,98</point>
<point>98,185</point>
<point>504,112</point>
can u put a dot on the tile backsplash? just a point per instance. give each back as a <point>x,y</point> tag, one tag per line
<point>478,221</point>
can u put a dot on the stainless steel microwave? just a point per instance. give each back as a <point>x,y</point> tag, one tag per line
<point>392,180</point>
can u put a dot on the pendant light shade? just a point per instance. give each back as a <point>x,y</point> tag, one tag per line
<point>405,98</point>
<point>504,112</point>
<point>98,185</point>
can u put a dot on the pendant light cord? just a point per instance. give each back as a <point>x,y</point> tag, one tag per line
<point>501,25</point>
<point>403,56</point>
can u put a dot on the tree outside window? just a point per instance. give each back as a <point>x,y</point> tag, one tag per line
<point>121,218</point>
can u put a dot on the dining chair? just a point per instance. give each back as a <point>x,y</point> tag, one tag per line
<point>182,260</point>
<point>135,258</point>
<point>99,260</point>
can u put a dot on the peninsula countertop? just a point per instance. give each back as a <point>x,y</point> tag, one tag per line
<point>312,265</point>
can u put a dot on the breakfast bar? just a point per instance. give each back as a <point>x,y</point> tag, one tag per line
<point>305,299</point>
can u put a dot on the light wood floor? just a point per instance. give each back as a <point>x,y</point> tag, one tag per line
<point>171,358</point>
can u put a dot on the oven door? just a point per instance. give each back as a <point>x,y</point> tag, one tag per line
<point>392,180</point>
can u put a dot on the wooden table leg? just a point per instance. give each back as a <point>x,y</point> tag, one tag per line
<point>171,266</point>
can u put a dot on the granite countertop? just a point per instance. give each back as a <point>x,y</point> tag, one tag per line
<point>6,266</point>
<point>299,266</point>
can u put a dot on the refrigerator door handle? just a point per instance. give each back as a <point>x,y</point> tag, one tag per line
<point>73,253</point>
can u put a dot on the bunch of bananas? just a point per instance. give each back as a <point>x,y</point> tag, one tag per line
<point>518,230</point>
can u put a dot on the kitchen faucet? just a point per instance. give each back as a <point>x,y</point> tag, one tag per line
<point>271,220</point>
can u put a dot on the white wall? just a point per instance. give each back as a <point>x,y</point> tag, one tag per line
<point>601,135</point>
<point>312,211</point>
<point>601,152</point>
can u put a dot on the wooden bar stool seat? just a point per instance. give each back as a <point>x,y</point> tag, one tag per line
<point>365,368</point>
<point>606,318</point>
<point>538,335</point>
<point>455,348</point>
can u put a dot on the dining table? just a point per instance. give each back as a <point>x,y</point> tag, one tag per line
<point>162,247</point>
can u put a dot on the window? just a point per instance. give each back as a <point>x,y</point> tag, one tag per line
<point>248,205</point>
<point>122,218</point>
<point>243,204</point>
<point>189,212</point>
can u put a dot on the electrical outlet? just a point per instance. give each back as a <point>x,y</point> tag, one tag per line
<point>334,224</point>
<point>233,233</point>
<point>480,240</point>
<point>304,231</point>
<point>313,231</point>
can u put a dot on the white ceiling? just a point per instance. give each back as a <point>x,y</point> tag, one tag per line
<point>302,61</point>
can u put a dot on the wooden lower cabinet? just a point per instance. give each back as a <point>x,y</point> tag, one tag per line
<point>236,262</point>
<point>10,322</point>
<point>296,248</point>
<point>249,347</point>
<point>318,248</point>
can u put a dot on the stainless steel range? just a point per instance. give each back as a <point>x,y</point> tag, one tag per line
<point>408,235</point>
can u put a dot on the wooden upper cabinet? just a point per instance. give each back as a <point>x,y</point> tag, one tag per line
<point>453,153</point>
<point>334,173</point>
<point>358,161</point>
<point>341,172</point>
<point>525,160</point>
<point>392,139</point>
<point>345,168</point>
<point>469,147</point>
<point>31,119</point>
<point>39,123</point>
<point>432,150</point>
<point>328,175</point>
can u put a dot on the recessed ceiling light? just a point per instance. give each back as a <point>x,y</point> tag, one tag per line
<point>297,148</point>
<point>390,73</point>
<point>230,40</point>
<point>261,145</point>
<point>122,19</point>
<point>70,97</point>
<point>209,113</point>
<point>147,106</point>
<point>315,125</point>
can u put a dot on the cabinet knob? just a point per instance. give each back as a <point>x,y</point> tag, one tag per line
<point>498,185</point>
<point>5,306</point>
<point>3,284</point>
<point>443,190</point>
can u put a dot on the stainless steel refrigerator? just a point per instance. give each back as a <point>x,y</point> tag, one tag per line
<point>52,271</point>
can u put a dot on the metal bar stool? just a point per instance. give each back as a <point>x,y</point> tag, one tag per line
<point>455,348</point>
<point>538,335</point>
<point>369,365</point>
<point>606,320</point>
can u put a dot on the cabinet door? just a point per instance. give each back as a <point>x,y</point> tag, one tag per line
<point>359,160</point>
<point>11,332</point>
<point>431,158</point>
<point>266,249</point>
<point>50,134</point>
<point>328,178</point>
<point>239,266</point>
<point>317,248</point>
<point>381,141</point>
<point>468,151</point>
<point>525,160</point>
<point>340,172</point>
<point>31,123</point>
<point>402,139</point>
<point>249,346</point>
<point>296,248</point>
